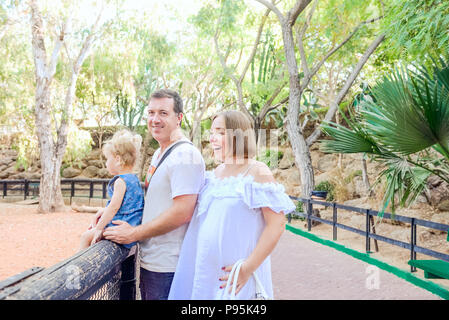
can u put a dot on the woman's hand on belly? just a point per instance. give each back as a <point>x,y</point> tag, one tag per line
<point>243,277</point>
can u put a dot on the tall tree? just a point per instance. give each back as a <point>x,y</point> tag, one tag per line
<point>51,150</point>
<point>297,85</point>
<point>237,34</point>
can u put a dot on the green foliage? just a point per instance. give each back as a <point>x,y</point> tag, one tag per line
<point>406,126</point>
<point>129,114</point>
<point>79,144</point>
<point>27,150</point>
<point>416,29</point>
<point>326,186</point>
<point>356,173</point>
<point>300,206</point>
<point>154,144</point>
<point>271,157</point>
<point>228,13</point>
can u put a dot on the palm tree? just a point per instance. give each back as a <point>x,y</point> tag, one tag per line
<point>406,127</point>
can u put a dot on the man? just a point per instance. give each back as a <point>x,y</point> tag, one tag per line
<point>170,199</point>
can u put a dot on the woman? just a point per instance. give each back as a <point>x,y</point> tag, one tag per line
<point>239,215</point>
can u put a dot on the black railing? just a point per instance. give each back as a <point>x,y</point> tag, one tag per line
<point>367,233</point>
<point>104,271</point>
<point>87,188</point>
<point>90,191</point>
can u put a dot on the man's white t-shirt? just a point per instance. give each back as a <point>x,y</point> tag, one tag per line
<point>181,173</point>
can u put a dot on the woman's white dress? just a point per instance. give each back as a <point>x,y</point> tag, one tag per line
<point>225,227</point>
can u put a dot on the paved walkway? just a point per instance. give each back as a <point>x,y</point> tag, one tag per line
<point>305,270</point>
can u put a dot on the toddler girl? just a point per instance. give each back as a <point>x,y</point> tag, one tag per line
<point>124,189</point>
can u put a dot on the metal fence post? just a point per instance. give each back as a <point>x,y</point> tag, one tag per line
<point>25,187</point>
<point>334,221</point>
<point>368,240</point>
<point>412,243</point>
<point>309,214</point>
<point>104,189</point>
<point>72,190</point>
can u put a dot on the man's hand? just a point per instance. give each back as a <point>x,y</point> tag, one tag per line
<point>122,233</point>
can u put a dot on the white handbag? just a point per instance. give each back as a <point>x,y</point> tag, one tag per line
<point>260,293</point>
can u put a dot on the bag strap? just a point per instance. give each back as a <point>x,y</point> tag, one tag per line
<point>260,291</point>
<point>164,157</point>
<point>233,277</point>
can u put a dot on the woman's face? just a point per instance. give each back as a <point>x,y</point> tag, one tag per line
<point>218,138</point>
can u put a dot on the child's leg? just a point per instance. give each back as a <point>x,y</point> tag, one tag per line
<point>86,239</point>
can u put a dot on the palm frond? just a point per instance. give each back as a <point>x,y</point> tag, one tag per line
<point>345,140</point>
<point>396,119</point>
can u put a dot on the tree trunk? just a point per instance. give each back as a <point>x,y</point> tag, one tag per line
<point>196,133</point>
<point>50,195</point>
<point>300,149</point>
<point>365,177</point>
<point>144,155</point>
<point>51,152</point>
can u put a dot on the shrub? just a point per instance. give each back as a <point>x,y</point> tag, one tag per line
<point>271,157</point>
<point>79,144</point>
<point>356,173</point>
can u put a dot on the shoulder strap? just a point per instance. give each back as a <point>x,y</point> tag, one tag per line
<point>164,157</point>
<point>169,151</point>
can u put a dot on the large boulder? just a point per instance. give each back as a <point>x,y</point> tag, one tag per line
<point>90,171</point>
<point>96,163</point>
<point>443,205</point>
<point>6,161</point>
<point>439,191</point>
<point>70,172</point>
<point>27,175</point>
<point>288,159</point>
<point>442,217</point>
<point>326,176</point>
<point>95,154</point>
<point>104,173</point>
<point>327,162</point>
<point>290,177</point>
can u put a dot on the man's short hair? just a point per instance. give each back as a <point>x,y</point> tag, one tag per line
<point>168,93</point>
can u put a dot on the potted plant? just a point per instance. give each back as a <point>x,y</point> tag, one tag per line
<point>323,190</point>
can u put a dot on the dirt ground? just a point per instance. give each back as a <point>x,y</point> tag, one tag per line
<point>29,239</point>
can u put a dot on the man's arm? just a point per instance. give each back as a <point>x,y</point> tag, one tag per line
<point>178,214</point>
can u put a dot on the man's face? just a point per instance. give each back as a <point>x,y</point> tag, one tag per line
<point>162,119</point>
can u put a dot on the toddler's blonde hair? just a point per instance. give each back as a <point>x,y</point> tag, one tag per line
<point>125,145</point>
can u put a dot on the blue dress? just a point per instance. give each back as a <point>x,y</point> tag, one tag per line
<point>131,209</point>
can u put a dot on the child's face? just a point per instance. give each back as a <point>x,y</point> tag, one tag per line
<point>112,163</point>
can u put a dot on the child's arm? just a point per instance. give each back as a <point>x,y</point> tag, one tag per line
<point>110,211</point>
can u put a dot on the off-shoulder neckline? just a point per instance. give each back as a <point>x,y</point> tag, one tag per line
<point>240,177</point>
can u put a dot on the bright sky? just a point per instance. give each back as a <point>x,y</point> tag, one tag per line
<point>170,15</point>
